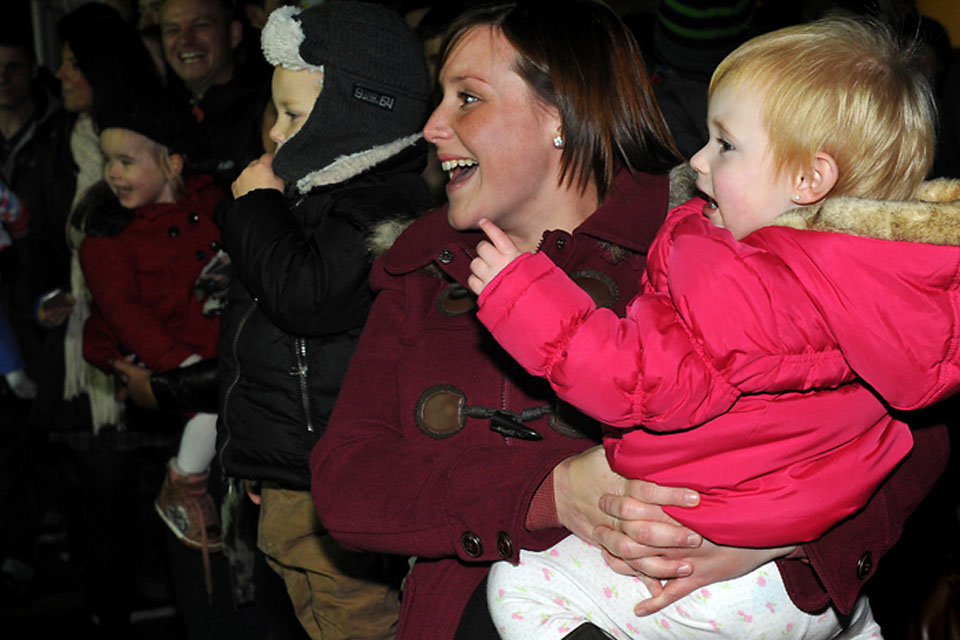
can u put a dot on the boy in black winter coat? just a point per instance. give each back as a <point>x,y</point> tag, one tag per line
<point>352,91</point>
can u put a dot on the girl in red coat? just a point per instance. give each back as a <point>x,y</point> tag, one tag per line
<point>143,283</point>
<point>760,363</point>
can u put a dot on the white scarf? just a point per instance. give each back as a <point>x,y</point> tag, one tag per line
<point>82,377</point>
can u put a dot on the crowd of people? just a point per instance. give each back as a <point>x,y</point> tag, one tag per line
<point>374,320</point>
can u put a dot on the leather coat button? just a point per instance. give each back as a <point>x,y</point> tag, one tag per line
<point>173,231</point>
<point>504,545</point>
<point>445,256</point>
<point>200,254</point>
<point>561,243</point>
<point>471,544</point>
<point>193,218</point>
<point>865,565</point>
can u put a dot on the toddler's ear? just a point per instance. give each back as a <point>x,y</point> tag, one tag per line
<point>174,165</point>
<point>816,183</point>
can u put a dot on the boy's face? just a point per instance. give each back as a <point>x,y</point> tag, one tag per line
<point>736,168</point>
<point>132,170</point>
<point>294,94</point>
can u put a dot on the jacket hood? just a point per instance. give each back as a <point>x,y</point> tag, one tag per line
<point>933,217</point>
<point>881,270</point>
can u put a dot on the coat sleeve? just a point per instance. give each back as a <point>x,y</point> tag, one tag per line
<point>379,484</point>
<point>112,278</point>
<point>308,282</point>
<point>683,353</point>
<point>100,345</point>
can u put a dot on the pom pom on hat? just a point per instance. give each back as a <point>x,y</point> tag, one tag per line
<point>282,38</point>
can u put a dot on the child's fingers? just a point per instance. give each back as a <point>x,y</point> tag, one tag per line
<point>497,237</point>
<point>475,284</point>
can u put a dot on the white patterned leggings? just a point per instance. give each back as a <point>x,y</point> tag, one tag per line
<point>551,593</point>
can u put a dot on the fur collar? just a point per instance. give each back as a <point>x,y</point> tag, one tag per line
<point>933,217</point>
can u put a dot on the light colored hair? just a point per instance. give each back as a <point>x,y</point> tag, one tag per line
<point>161,154</point>
<point>847,88</point>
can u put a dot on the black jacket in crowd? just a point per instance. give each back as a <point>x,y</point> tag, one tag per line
<point>297,303</point>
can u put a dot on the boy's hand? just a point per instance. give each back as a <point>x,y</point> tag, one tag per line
<point>258,175</point>
<point>492,256</point>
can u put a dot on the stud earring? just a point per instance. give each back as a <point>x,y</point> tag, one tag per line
<point>558,142</point>
<point>797,197</point>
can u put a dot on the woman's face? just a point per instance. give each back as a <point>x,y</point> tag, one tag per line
<point>495,140</point>
<point>76,91</point>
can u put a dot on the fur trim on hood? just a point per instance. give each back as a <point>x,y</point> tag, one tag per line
<point>933,217</point>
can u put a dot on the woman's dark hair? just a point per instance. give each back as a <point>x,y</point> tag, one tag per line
<point>110,54</point>
<point>579,57</point>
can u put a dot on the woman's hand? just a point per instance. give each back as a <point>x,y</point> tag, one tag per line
<point>136,380</point>
<point>492,256</point>
<point>581,481</point>
<point>633,546</point>
<point>258,175</point>
<point>711,563</point>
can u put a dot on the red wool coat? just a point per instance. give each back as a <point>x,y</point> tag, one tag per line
<point>142,281</point>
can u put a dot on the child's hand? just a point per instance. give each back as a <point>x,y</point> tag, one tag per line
<point>492,256</point>
<point>258,175</point>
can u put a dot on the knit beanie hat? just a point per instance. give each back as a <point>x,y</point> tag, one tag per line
<point>376,88</point>
<point>156,116</point>
<point>694,36</point>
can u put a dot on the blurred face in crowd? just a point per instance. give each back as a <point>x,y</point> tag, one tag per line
<point>134,171</point>
<point>494,140</point>
<point>294,93</point>
<point>16,76</point>
<point>76,91</point>
<point>198,42</point>
<point>149,11</point>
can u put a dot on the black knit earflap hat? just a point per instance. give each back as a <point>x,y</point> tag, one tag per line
<point>376,88</point>
<point>156,116</point>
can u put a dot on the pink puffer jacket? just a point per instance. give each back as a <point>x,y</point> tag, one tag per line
<point>760,372</point>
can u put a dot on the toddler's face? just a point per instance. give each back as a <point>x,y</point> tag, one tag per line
<point>736,168</point>
<point>294,94</point>
<point>132,169</point>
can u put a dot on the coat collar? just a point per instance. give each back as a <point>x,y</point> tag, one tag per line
<point>629,217</point>
<point>189,198</point>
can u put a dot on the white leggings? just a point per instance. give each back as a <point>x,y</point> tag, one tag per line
<point>550,593</point>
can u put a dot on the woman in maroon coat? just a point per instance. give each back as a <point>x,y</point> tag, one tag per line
<point>440,446</point>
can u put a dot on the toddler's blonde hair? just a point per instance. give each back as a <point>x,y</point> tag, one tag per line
<point>845,87</point>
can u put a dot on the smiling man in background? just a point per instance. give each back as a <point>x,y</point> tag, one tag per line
<point>227,93</point>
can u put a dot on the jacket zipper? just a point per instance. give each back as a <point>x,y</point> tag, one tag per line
<point>300,370</point>
<point>233,383</point>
